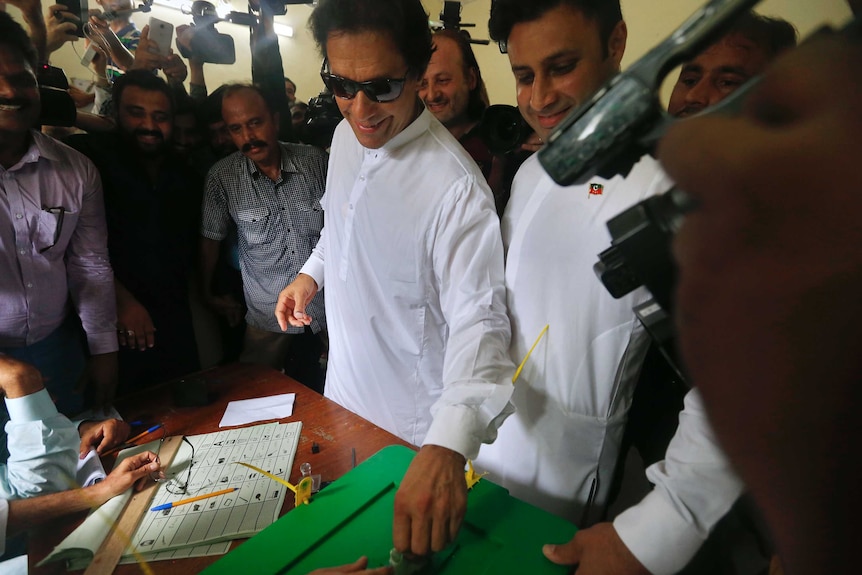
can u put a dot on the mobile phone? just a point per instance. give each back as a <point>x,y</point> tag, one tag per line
<point>80,9</point>
<point>161,33</point>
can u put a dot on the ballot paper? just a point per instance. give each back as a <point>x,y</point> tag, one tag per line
<point>204,463</point>
<point>258,409</point>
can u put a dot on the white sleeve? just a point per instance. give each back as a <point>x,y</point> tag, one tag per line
<point>477,370</point>
<point>695,486</point>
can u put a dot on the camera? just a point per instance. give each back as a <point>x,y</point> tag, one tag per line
<point>207,43</point>
<point>503,129</point>
<point>323,116</point>
<point>57,106</point>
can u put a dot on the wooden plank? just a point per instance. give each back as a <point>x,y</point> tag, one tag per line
<point>118,540</point>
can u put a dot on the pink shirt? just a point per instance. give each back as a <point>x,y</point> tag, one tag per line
<point>53,248</point>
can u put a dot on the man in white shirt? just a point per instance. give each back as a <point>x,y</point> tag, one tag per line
<point>560,448</point>
<point>413,266</point>
<point>43,452</point>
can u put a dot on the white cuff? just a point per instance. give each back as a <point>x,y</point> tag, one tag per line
<point>656,534</point>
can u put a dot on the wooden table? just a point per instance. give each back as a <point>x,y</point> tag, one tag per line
<point>336,430</point>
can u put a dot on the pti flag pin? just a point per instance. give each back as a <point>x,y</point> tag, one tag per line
<point>596,189</point>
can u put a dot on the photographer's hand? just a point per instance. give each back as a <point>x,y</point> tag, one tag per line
<point>147,55</point>
<point>61,26</point>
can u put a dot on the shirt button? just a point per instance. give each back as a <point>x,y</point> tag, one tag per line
<point>22,251</point>
<point>351,207</point>
<point>19,216</point>
<point>362,178</point>
<point>288,230</point>
<point>29,284</point>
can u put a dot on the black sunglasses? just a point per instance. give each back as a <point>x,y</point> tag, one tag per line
<point>379,90</point>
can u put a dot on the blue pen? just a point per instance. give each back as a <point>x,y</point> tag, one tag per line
<point>164,506</point>
<point>131,442</point>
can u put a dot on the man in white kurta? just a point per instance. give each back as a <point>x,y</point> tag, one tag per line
<point>560,448</point>
<point>412,265</point>
<point>410,261</point>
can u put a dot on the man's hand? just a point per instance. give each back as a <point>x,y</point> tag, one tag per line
<point>61,26</point>
<point>135,470</point>
<point>175,69</point>
<point>102,435</point>
<point>147,55</point>
<point>103,372</point>
<point>358,566</point>
<point>290,308</point>
<point>134,326</point>
<point>533,143</point>
<point>80,97</point>
<point>596,551</point>
<point>430,502</point>
<point>227,306</point>
<point>17,378</point>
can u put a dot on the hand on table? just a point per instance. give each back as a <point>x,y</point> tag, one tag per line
<point>358,566</point>
<point>290,309</point>
<point>102,435</point>
<point>430,502</point>
<point>597,550</point>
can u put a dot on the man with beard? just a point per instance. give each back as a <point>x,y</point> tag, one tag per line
<point>454,92</point>
<point>53,246</point>
<point>270,192</point>
<point>152,200</point>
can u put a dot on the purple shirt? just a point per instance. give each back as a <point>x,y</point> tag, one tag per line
<point>53,248</point>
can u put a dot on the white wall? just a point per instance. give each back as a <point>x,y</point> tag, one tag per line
<point>649,21</point>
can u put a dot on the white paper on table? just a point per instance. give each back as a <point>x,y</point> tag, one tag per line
<point>258,409</point>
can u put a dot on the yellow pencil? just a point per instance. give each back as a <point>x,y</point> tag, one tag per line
<point>192,499</point>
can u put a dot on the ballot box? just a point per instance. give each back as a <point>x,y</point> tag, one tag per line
<point>352,517</point>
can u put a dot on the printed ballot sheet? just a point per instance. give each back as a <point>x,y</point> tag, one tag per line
<point>204,527</point>
<point>255,505</point>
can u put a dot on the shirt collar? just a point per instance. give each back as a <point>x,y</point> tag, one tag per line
<point>38,149</point>
<point>287,165</point>
<point>416,128</point>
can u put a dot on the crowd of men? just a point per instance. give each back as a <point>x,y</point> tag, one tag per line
<point>423,264</point>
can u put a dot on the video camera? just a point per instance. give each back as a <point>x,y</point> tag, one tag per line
<point>323,116</point>
<point>57,106</point>
<point>213,47</point>
<point>610,133</point>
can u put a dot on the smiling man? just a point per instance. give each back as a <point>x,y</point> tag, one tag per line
<point>560,449</point>
<point>413,266</point>
<point>742,53</point>
<point>270,191</point>
<point>152,201</point>
<point>53,244</point>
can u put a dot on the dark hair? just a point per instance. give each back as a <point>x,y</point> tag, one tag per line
<point>506,13</point>
<point>773,35</point>
<point>286,79</point>
<point>145,80</point>
<point>478,100</point>
<point>404,21</point>
<point>231,89</point>
<point>13,36</point>
<point>212,105</point>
